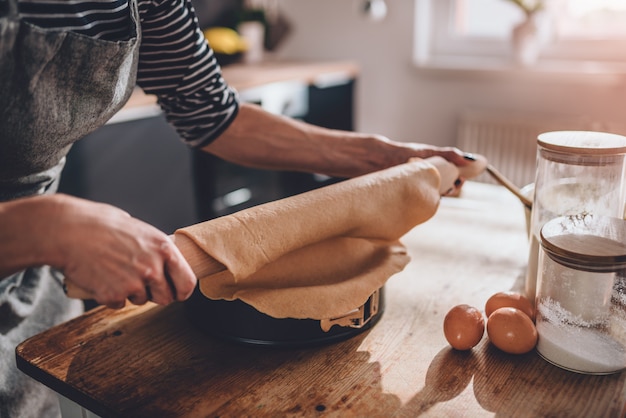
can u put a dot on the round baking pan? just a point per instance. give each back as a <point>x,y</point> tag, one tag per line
<point>239,322</point>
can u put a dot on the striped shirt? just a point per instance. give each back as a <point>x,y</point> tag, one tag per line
<point>175,62</point>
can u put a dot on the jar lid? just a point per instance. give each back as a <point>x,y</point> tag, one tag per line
<point>583,142</point>
<point>586,242</point>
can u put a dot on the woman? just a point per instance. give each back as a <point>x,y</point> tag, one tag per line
<point>66,66</point>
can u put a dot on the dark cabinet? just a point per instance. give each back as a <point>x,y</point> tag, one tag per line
<point>143,168</point>
<point>139,166</point>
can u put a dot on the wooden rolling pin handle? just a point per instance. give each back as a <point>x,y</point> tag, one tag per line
<point>201,263</point>
<point>509,185</point>
<point>75,292</point>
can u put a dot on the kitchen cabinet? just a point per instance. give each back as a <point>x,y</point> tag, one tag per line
<point>139,166</point>
<point>136,162</point>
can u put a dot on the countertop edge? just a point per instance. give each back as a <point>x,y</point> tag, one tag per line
<point>247,76</point>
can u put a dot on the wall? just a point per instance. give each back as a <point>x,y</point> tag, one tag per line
<point>397,99</point>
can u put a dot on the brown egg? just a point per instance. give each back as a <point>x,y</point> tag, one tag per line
<point>509,300</point>
<point>463,327</point>
<point>511,330</point>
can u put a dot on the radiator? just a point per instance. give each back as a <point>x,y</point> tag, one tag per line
<point>509,140</point>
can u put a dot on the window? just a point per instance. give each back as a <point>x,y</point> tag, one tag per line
<point>570,31</point>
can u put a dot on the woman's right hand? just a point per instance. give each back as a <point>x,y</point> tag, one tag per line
<point>453,176</point>
<point>112,256</point>
<point>448,174</point>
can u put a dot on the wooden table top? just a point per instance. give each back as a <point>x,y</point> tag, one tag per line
<point>149,361</point>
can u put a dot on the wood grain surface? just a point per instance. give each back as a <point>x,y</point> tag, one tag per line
<point>149,361</point>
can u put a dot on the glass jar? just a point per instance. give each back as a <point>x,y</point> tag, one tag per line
<point>581,294</point>
<point>578,172</point>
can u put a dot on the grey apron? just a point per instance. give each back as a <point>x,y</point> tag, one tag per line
<point>55,87</point>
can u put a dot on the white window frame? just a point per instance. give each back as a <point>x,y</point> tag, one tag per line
<point>434,48</point>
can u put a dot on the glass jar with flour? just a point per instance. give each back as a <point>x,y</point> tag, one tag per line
<point>581,294</point>
<point>578,173</point>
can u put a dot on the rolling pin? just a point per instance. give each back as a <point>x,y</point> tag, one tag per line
<point>201,263</point>
<point>382,205</point>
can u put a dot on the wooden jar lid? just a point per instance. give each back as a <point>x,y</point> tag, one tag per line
<point>586,242</point>
<point>584,148</point>
<point>583,142</point>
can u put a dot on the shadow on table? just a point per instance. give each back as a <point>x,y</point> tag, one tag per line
<point>203,376</point>
<point>518,385</point>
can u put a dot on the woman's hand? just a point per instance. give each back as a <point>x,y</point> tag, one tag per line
<point>454,166</point>
<point>470,165</point>
<point>448,174</point>
<point>112,256</point>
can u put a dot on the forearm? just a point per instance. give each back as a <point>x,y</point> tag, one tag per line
<point>263,140</point>
<point>24,239</point>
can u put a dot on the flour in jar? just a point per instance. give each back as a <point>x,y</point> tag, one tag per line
<point>572,198</point>
<point>568,342</point>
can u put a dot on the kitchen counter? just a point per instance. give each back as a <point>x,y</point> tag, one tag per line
<point>149,361</point>
<point>249,77</point>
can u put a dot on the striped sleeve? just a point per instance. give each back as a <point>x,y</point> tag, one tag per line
<point>178,66</point>
<point>97,19</point>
